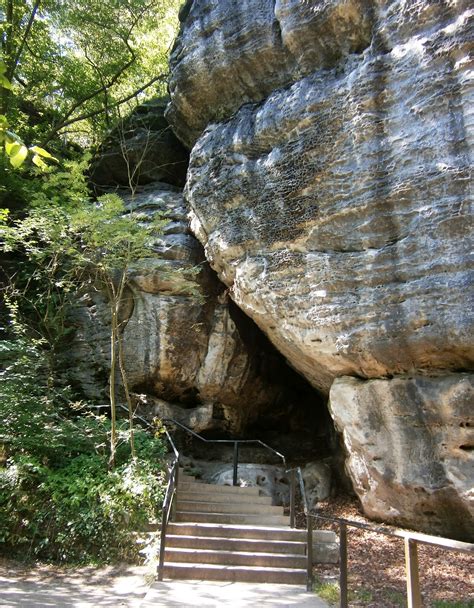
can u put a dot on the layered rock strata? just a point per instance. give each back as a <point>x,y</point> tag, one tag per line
<point>142,149</point>
<point>330,185</point>
<point>410,443</point>
<point>186,356</point>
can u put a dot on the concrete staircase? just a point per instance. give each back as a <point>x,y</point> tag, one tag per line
<point>232,534</point>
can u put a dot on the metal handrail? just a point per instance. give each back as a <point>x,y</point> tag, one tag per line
<point>166,513</point>
<point>236,443</point>
<point>411,556</point>
<point>173,479</point>
<point>411,538</point>
<point>170,492</point>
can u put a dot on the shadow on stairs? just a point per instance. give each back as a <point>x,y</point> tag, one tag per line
<point>231,533</point>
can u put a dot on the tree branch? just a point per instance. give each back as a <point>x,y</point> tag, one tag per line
<point>92,113</point>
<point>14,65</point>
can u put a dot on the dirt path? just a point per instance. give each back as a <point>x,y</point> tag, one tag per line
<point>45,586</point>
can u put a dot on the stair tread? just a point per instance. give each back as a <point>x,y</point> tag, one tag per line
<point>179,512</point>
<point>237,568</point>
<point>219,487</point>
<point>226,552</point>
<point>239,539</point>
<point>235,526</point>
<point>222,497</point>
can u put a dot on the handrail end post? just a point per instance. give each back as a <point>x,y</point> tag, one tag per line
<point>414,599</point>
<point>344,602</point>
<point>309,553</point>
<point>236,462</point>
<point>292,497</point>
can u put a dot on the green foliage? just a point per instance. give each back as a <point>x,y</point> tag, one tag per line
<point>35,416</point>
<point>453,604</point>
<point>73,66</point>
<point>14,149</point>
<point>395,597</point>
<point>327,591</point>
<point>80,512</point>
<point>58,500</point>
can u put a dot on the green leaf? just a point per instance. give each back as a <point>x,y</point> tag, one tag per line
<point>5,83</point>
<point>18,159</point>
<point>12,147</point>
<point>41,152</point>
<point>39,162</point>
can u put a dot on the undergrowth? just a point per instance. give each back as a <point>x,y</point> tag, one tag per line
<point>59,501</point>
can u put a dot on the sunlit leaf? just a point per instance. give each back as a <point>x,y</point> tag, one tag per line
<point>12,147</point>
<point>18,159</point>
<point>39,162</point>
<point>41,152</point>
<point>4,82</point>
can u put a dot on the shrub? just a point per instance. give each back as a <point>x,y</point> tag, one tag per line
<point>81,511</point>
<point>58,499</point>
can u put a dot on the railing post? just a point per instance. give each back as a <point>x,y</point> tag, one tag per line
<point>413,578</point>
<point>343,565</point>
<point>309,553</point>
<point>236,462</point>
<point>292,497</point>
<point>174,472</point>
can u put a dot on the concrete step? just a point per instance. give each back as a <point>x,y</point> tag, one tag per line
<point>232,518</point>
<point>239,531</point>
<point>253,545</point>
<point>244,574</point>
<point>183,478</point>
<point>224,497</point>
<point>228,507</point>
<point>235,558</point>
<point>196,486</point>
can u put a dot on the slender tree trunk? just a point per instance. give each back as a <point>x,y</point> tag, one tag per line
<point>121,358</point>
<point>123,374</point>
<point>113,363</point>
<point>7,48</point>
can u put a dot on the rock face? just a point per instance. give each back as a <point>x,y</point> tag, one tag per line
<point>141,150</point>
<point>329,184</point>
<point>410,445</point>
<point>194,352</point>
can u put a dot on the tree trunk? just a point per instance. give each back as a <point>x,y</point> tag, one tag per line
<point>112,392</point>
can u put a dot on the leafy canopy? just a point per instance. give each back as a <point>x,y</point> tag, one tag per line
<point>74,65</point>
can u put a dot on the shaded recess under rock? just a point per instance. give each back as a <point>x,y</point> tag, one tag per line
<point>329,183</point>
<point>198,360</point>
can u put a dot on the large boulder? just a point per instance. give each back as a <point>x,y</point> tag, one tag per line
<point>410,449</point>
<point>329,183</point>
<point>233,52</point>
<point>338,210</point>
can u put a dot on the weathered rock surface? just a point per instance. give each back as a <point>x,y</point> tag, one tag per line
<point>233,52</point>
<point>272,480</point>
<point>141,150</point>
<point>410,449</point>
<point>330,185</point>
<point>337,210</point>
<point>179,348</point>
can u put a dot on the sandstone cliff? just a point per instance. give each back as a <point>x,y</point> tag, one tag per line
<point>329,183</point>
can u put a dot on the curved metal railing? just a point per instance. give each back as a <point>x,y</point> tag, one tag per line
<point>235,442</point>
<point>411,539</point>
<point>174,478</point>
